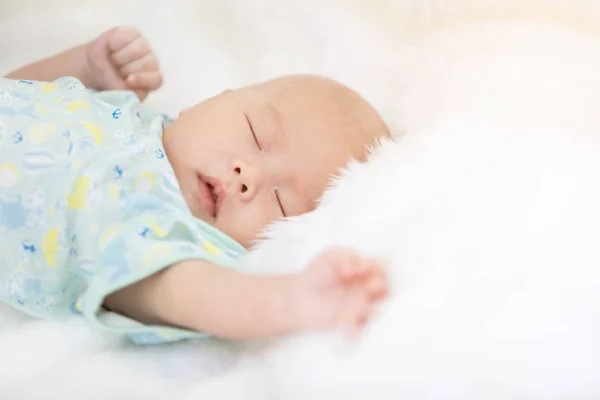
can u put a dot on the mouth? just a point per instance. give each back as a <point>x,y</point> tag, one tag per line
<point>211,194</point>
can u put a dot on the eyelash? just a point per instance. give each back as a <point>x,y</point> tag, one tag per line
<point>253,134</point>
<point>280,205</point>
<point>259,148</point>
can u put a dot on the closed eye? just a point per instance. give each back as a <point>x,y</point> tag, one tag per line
<point>280,205</point>
<point>253,133</point>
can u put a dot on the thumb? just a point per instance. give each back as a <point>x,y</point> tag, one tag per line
<point>140,93</point>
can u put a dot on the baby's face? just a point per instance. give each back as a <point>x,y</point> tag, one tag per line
<point>248,157</point>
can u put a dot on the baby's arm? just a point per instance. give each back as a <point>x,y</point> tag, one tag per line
<point>339,289</point>
<point>68,63</point>
<point>119,59</point>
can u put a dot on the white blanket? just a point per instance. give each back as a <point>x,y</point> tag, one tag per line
<point>486,209</point>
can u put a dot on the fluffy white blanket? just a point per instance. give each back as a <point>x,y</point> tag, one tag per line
<point>487,208</point>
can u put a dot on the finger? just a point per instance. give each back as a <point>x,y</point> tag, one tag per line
<point>355,307</point>
<point>346,266</point>
<point>112,78</point>
<point>145,64</point>
<point>141,94</point>
<point>359,269</point>
<point>376,288</point>
<point>371,269</point>
<point>376,282</point>
<point>121,36</point>
<point>131,52</point>
<point>145,80</point>
<point>101,62</point>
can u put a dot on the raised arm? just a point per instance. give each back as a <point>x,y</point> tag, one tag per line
<point>119,59</point>
<point>68,63</point>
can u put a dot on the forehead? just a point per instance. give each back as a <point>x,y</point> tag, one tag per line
<point>302,121</point>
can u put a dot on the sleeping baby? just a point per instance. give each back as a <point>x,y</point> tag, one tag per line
<point>137,222</point>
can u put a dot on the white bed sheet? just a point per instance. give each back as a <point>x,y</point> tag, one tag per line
<point>493,262</point>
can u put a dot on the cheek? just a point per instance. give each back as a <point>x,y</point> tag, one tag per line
<point>239,226</point>
<point>243,222</point>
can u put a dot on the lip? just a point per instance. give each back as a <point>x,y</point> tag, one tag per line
<point>207,186</point>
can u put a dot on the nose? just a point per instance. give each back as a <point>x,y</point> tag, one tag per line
<point>246,180</point>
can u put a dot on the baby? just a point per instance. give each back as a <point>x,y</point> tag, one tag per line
<point>137,222</point>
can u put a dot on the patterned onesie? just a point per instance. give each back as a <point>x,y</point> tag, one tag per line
<point>89,204</point>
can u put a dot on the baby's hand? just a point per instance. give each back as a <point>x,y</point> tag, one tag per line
<point>339,290</point>
<point>122,58</point>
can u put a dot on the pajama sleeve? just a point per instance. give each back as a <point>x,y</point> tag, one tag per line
<point>132,250</point>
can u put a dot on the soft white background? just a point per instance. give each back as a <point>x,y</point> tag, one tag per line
<point>486,210</point>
